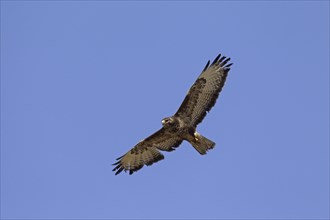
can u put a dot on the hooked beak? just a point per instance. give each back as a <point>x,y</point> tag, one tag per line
<point>163,122</point>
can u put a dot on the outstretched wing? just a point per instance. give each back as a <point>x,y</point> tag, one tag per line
<point>205,91</point>
<point>146,152</point>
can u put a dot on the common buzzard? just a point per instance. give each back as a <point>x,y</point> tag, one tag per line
<point>182,125</point>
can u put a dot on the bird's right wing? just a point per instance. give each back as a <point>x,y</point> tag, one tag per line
<point>146,152</point>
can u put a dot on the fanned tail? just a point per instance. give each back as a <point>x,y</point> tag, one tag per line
<point>201,143</point>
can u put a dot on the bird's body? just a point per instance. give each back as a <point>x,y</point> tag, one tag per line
<point>182,125</point>
<point>180,128</point>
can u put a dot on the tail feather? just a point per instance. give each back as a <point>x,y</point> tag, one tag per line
<point>201,143</point>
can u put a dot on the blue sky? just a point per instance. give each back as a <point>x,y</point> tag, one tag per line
<point>82,82</point>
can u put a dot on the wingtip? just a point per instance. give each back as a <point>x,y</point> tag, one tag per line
<point>222,60</point>
<point>225,61</point>
<point>207,65</point>
<point>114,164</point>
<point>117,167</point>
<point>216,59</point>
<point>119,170</point>
<point>229,65</point>
<point>119,157</point>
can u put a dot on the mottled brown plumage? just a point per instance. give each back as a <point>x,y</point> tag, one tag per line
<point>182,125</point>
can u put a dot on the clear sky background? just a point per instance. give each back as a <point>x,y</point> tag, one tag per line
<point>82,82</point>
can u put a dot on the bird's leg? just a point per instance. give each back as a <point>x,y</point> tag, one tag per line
<point>196,135</point>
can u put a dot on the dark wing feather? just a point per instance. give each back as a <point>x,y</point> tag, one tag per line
<point>204,92</point>
<point>146,152</point>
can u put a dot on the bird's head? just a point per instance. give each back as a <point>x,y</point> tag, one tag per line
<point>169,121</point>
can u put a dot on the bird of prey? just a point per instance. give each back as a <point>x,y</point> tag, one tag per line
<point>199,100</point>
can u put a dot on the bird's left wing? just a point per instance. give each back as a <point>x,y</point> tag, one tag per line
<point>204,92</point>
<point>146,152</point>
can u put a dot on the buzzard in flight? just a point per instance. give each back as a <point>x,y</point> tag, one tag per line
<point>182,125</point>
